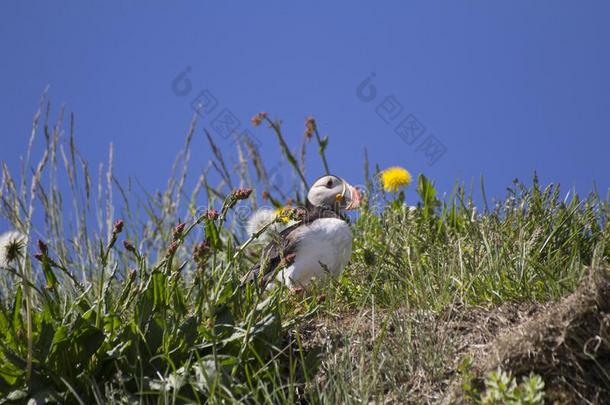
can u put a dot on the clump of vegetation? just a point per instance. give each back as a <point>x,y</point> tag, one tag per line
<point>106,297</point>
<point>501,387</point>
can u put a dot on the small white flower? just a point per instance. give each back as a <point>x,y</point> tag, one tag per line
<point>6,239</point>
<point>409,208</point>
<point>260,218</point>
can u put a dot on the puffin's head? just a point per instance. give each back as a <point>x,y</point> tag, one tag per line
<point>333,192</point>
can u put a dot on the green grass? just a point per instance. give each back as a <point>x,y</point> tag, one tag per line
<point>90,321</point>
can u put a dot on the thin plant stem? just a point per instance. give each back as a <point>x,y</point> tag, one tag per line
<point>321,148</point>
<point>284,146</point>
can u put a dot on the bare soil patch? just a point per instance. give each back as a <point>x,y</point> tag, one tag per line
<point>415,355</point>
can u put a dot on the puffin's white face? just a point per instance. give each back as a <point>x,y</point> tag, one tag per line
<point>332,191</point>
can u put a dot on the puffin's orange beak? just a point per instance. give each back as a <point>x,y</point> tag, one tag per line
<point>355,198</point>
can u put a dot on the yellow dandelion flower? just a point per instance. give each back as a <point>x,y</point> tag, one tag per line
<point>283,214</point>
<point>395,178</point>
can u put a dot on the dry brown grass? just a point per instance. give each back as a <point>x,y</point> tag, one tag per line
<point>567,343</point>
<point>413,357</point>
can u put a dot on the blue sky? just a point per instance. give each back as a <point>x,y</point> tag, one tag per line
<point>502,88</point>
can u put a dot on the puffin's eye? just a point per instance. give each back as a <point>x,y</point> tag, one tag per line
<point>329,183</point>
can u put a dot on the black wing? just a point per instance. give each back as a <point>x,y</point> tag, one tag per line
<point>281,251</point>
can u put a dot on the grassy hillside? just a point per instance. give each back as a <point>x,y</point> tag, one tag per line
<point>110,298</point>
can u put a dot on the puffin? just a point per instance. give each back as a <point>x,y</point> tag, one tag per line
<point>319,246</point>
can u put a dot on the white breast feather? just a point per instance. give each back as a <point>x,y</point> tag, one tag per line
<point>325,246</point>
